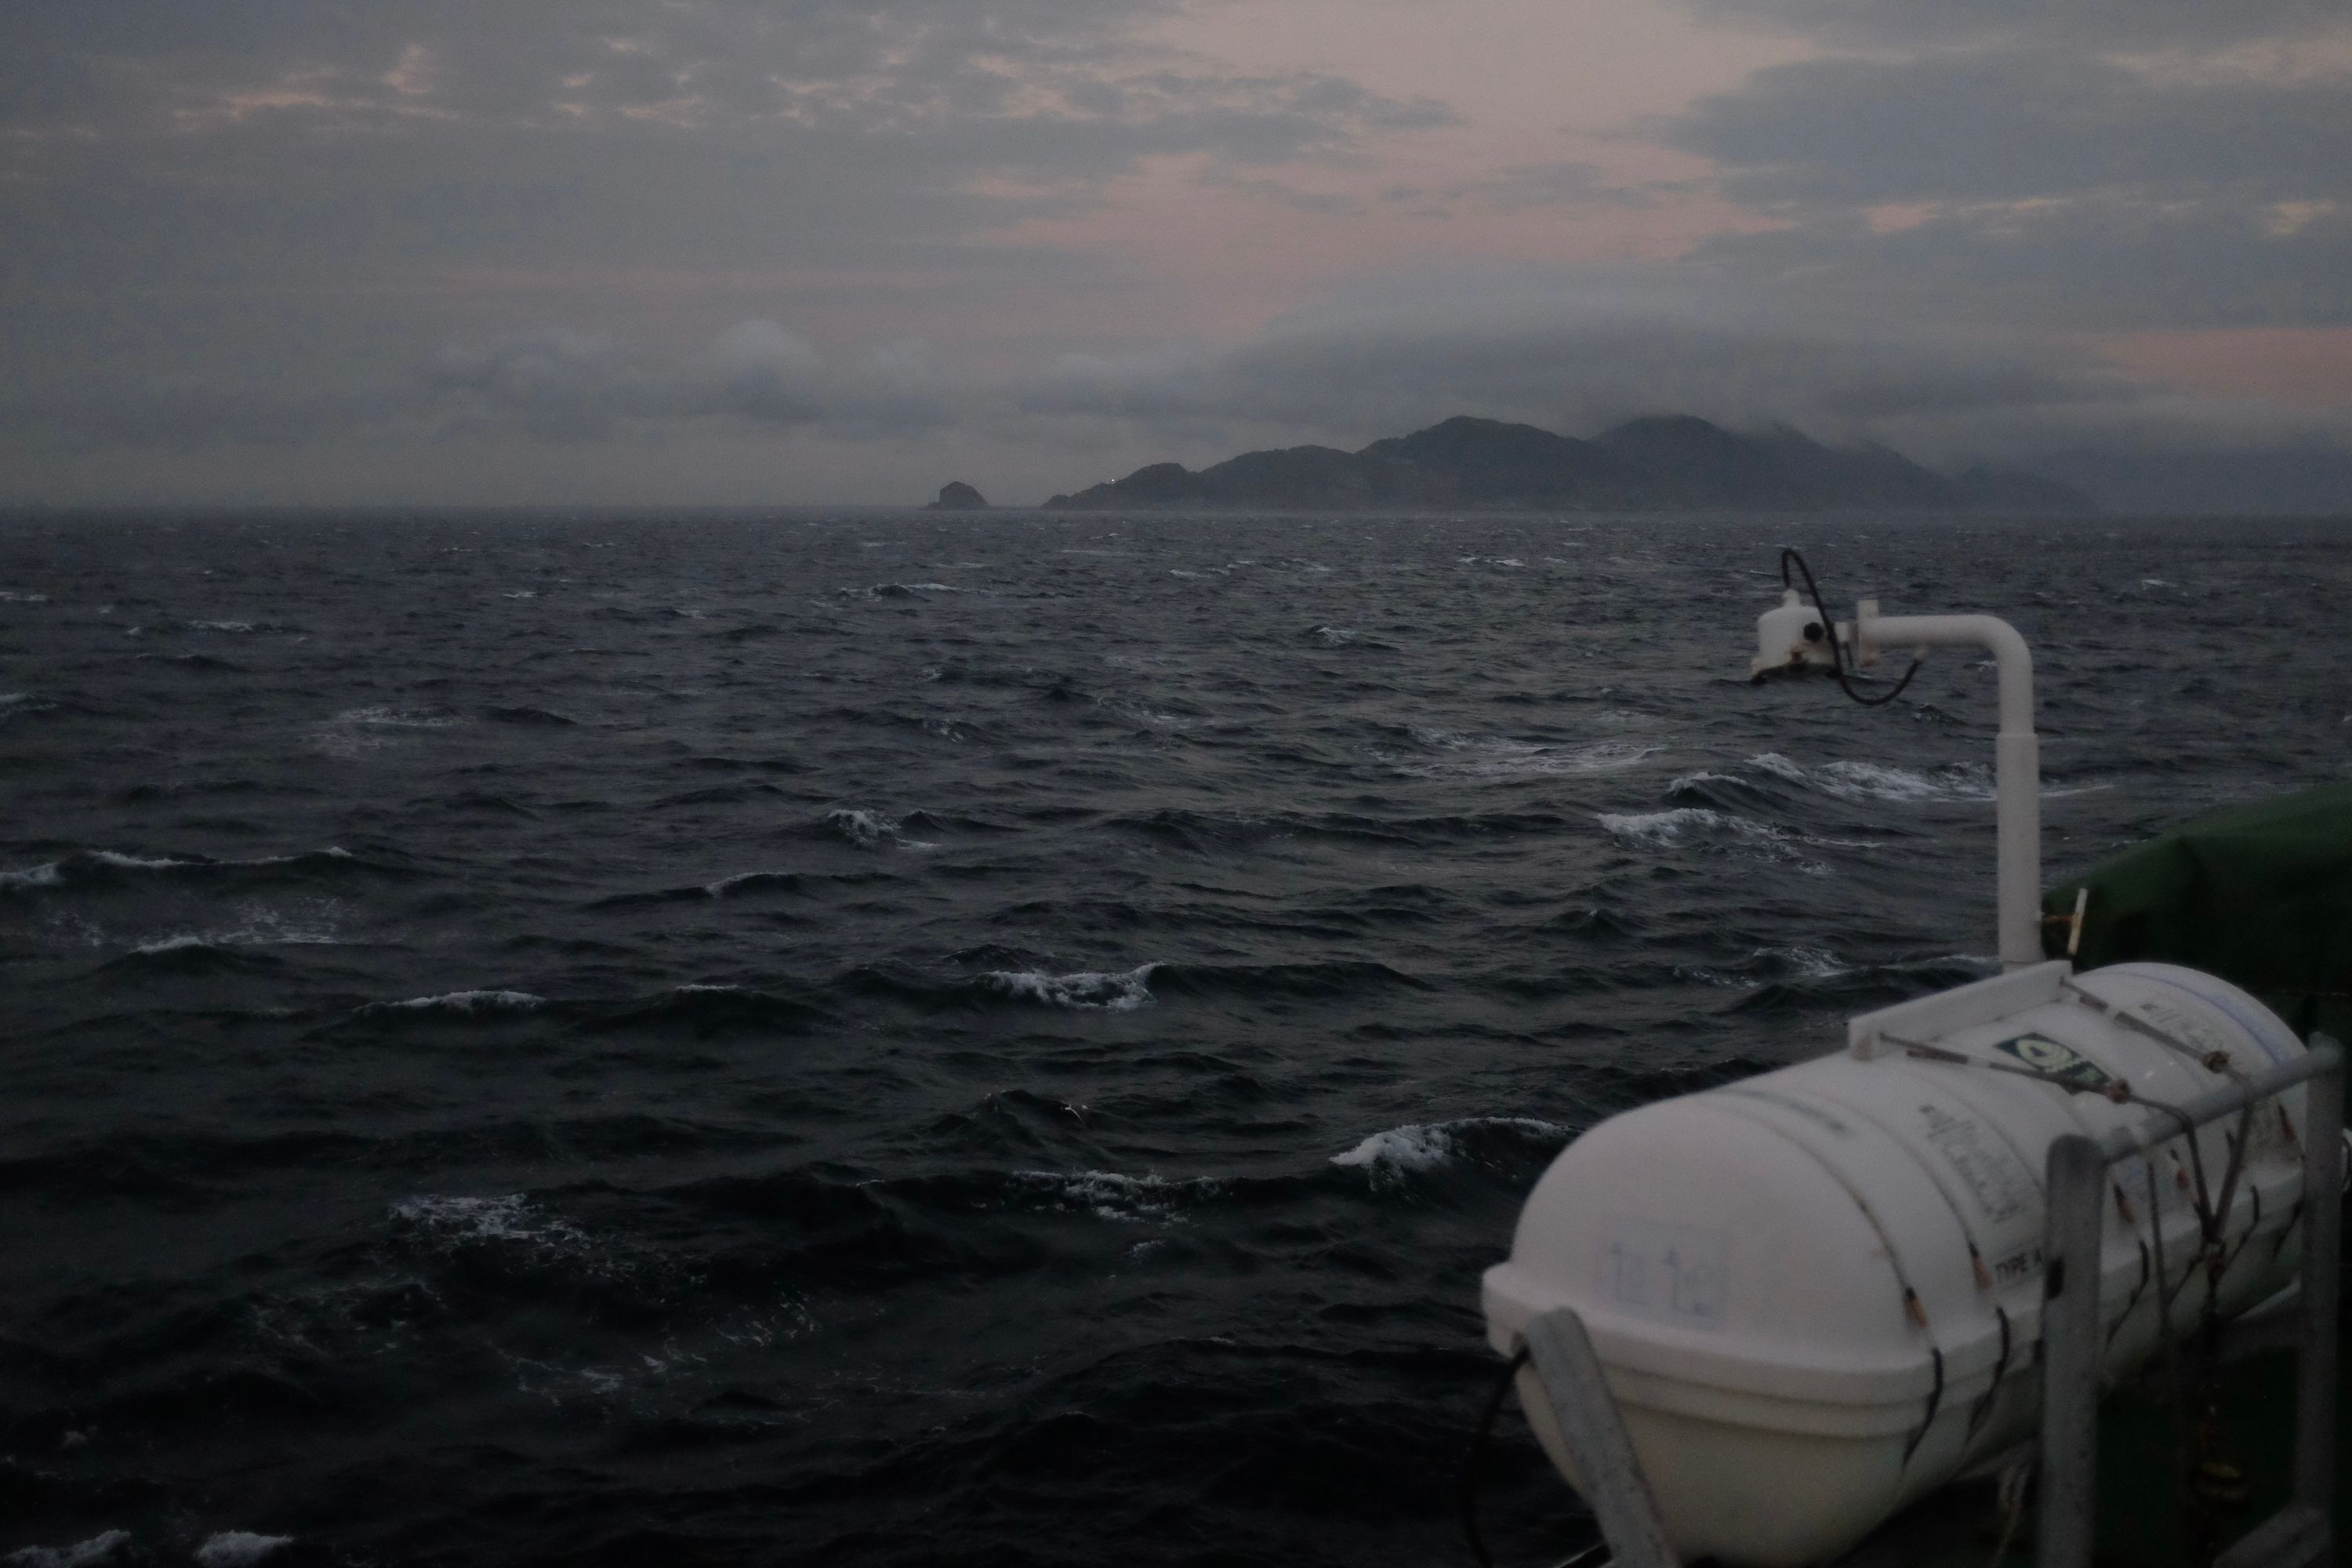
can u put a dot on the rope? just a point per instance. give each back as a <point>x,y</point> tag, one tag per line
<point>1474,1459</point>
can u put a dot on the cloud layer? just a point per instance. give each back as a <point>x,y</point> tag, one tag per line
<point>420,235</point>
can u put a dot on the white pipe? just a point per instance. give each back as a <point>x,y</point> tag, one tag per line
<point>2017,771</point>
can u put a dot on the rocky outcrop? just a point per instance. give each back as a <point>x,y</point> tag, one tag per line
<point>958,496</point>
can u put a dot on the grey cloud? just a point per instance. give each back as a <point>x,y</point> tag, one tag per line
<point>2083,265</point>
<point>2016,125</point>
<point>566,386</point>
<point>2104,23</point>
<point>1520,186</point>
<point>556,386</point>
<point>303,146</point>
<point>1571,358</point>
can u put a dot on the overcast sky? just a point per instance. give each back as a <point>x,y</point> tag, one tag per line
<point>736,252</point>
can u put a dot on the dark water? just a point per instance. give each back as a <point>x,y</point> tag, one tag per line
<point>889,1039</point>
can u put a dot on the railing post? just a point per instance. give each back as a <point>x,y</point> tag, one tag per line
<point>2070,1342</point>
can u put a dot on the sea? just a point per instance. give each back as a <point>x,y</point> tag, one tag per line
<point>890,1037</point>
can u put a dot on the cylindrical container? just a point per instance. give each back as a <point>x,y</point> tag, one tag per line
<point>1817,1293</point>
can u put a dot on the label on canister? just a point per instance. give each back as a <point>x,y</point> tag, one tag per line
<point>1675,1273</point>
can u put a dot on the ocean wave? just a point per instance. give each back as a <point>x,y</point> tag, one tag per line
<point>458,1221</point>
<point>238,1549</point>
<point>14,702</point>
<point>754,882</point>
<point>1772,963</point>
<point>870,829</point>
<point>12,597</point>
<point>97,867</point>
<point>1860,781</point>
<point>1340,978</point>
<point>1112,1194</point>
<point>718,1009</point>
<point>192,661</point>
<point>527,715</point>
<point>467,1003</point>
<point>357,730</point>
<point>1685,825</point>
<point>111,1547</point>
<point>259,928</point>
<point>1501,756</point>
<point>1088,990</point>
<point>1417,1146</point>
<point>1880,781</point>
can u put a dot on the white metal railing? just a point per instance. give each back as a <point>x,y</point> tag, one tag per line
<point>2073,1334</point>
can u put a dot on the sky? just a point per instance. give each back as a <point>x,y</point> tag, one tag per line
<point>758,252</point>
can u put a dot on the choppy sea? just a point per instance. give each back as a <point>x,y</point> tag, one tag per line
<point>889,1038</point>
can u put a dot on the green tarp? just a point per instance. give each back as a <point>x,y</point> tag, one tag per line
<point>2260,895</point>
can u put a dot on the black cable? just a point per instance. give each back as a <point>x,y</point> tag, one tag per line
<point>1472,1460</point>
<point>1838,650</point>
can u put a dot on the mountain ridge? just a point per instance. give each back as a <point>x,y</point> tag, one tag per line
<point>1656,462</point>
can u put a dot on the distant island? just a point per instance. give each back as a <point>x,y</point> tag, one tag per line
<point>958,496</point>
<point>1656,463</point>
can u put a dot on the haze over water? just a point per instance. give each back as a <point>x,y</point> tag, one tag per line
<point>876,1038</point>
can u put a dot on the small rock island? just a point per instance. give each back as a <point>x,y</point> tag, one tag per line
<point>957,496</point>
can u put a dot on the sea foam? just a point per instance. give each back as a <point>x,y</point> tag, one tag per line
<point>114,1546</point>
<point>464,1002</point>
<point>238,1549</point>
<point>1089,990</point>
<point>1420,1146</point>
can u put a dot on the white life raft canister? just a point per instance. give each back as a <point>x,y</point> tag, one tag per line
<point>1816,1294</point>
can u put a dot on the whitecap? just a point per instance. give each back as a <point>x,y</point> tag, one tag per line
<point>10,596</point>
<point>726,885</point>
<point>1112,1194</point>
<point>47,876</point>
<point>1879,781</point>
<point>97,1549</point>
<point>1336,635</point>
<point>867,830</point>
<point>357,730</point>
<point>1416,1146</point>
<point>510,1217</point>
<point>173,944</point>
<point>1671,829</point>
<point>221,625</point>
<point>1805,963</point>
<point>123,862</point>
<point>238,1549</point>
<point>1693,781</point>
<point>1088,990</point>
<point>1666,827</point>
<point>258,927</point>
<point>1413,1147</point>
<point>467,1002</point>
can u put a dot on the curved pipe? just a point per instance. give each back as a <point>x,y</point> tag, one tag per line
<point>2017,756</point>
